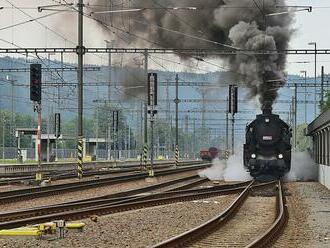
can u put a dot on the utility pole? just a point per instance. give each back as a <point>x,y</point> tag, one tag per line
<point>295,115</point>
<point>322,85</point>
<point>141,124</point>
<point>97,124</point>
<point>305,77</point>
<point>80,53</point>
<point>203,109</point>
<point>145,148</point>
<point>233,133</point>
<point>108,45</point>
<point>152,102</point>
<point>176,101</point>
<point>194,139</point>
<point>186,149</point>
<point>3,137</point>
<point>115,124</point>
<point>129,141</point>
<point>48,141</point>
<point>315,75</point>
<point>168,114</point>
<point>227,126</point>
<point>58,105</point>
<point>12,121</point>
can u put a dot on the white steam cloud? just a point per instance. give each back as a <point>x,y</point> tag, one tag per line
<point>230,170</point>
<point>303,168</point>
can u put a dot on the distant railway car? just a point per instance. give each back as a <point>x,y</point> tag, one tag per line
<point>204,154</point>
<point>209,154</point>
<point>267,151</point>
<point>214,152</point>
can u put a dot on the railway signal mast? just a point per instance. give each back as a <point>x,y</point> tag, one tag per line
<point>115,125</point>
<point>152,102</point>
<point>232,108</point>
<point>35,96</point>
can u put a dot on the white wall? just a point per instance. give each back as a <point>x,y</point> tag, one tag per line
<point>324,175</point>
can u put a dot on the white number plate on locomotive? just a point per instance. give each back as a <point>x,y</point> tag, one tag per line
<point>267,137</point>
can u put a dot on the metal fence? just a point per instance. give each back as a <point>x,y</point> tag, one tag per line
<point>10,153</point>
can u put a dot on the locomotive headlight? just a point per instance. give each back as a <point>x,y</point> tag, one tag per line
<point>280,156</point>
<point>253,155</point>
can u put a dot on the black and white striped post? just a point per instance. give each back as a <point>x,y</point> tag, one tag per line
<point>80,158</point>
<point>176,155</point>
<point>145,155</point>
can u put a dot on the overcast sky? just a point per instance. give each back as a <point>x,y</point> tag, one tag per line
<point>310,27</point>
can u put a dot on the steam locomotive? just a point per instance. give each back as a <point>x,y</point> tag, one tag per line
<point>267,151</point>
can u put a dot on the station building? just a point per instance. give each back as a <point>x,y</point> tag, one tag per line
<point>319,130</point>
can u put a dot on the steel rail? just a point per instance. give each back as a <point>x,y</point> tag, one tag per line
<point>263,240</point>
<point>126,197</point>
<point>97,165</point>
<point>123,197</point>
<point>116,199</point>
<point>109,199</point>
<point>60,175</point>
<point>114,208</point>
<point>123,204</point>
<point>273,232</point>
<point>35,192</point>
<point>195,233</point>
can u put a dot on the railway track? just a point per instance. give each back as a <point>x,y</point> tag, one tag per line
<point>187,182</point>
<point>209,233</point>
<point>113,204</point>
<point>35,192</point>
<point>14,178</point>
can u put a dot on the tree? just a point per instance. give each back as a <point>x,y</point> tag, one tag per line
<point>303,142</point>
<point>103,120</point>
<point>326,102</point>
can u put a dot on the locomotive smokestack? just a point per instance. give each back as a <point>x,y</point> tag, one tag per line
<point>267,108</point>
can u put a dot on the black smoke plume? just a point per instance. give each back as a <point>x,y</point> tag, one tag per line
<point>242,24</point>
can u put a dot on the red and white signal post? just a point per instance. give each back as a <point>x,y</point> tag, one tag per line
<point>35,96</point>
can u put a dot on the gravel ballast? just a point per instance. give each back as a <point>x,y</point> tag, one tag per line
<point>309,216</point>
<point>308,225</point>
<point>88,193</point>
<point>137,228</point>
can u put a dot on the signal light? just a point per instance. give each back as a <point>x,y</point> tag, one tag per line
<point>152,89</point>
<point>233,99</point>
<point>35,82</point>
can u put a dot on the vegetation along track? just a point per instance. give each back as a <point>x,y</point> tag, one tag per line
<point>35,192</point>
<point>74,211</point>
<point>206,234</point>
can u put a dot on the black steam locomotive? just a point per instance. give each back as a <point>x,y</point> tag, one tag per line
<point>267,152</point>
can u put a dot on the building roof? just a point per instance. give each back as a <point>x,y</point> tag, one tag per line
<point>319,123</point>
